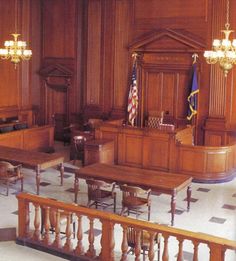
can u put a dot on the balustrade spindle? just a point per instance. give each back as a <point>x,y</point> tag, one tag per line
<point>68,244</point>
<point>165,256</point>
<point>124,245</point>
<point>79,248</point>
<point>46,236</point>
<point>180,253</point>
<point>151,253</point>
<point>91,250</point>
<point>195,251</point>
<point>57,242</point>
<point>137,248</point>
<point>27,220</point>
<point>36,235</point>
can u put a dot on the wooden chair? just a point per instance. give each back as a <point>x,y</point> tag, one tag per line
<point>134,199</point>
<point>101,194</point>
<point>78,142</point>
<point>155,118</point>
<point>144,241</point>
<point>10,174</point>
<point>67,133</point>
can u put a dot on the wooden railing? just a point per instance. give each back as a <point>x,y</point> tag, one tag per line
<point>109,249</point>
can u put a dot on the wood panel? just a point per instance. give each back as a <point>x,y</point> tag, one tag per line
<point>37,138</point>
<point>171,151</point>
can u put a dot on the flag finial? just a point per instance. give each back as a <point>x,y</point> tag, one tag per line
<point>195,56</point>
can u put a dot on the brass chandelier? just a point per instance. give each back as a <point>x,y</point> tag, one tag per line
<point>15,50</point>
<point>224,51</point>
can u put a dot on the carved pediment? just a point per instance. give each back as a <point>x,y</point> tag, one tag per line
<point>169,40</point>
<point>57,76</point>
<point>55,70</point>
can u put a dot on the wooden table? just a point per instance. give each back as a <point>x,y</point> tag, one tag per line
<point>164,182</point>
<point>33,159</point>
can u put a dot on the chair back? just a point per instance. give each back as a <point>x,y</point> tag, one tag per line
<point>133,197</point>
<point>5,167</point>
<point>94,189</point>
<point>155,118</point>
<point>79,142</point>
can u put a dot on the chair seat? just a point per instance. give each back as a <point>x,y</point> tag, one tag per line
<point>135,202</point>
<point>100,193</point>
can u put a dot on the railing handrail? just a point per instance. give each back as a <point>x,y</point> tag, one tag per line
<point>114,218</point>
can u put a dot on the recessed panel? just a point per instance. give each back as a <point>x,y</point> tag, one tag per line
<point>134,150</point>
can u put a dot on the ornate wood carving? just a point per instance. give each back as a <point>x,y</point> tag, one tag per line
<point>164,71</point>
<point>57,81</point>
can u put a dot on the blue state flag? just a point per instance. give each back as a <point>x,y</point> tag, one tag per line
<point>192,98</point>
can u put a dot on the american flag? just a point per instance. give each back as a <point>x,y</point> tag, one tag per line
<point>133,97</point>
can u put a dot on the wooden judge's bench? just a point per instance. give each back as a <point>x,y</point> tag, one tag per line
<point>169,150</point>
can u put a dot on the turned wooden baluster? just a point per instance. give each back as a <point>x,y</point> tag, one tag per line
<point>195,251</point>
<point>36,235</point>
<point>151,252</point>
<point>107,241</point>
<point>180,253</point>
<point>137,248</point>
<point>68,245</point>
<point>23,218</point>
<point>91,250</point>
<point>124,245</point>
<point>165,256</point>
<point>79,248</point>
<point>57,242</point>
<point>217,252</point>
<point>46,237</point>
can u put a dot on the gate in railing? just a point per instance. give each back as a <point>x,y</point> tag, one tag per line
<point>35,229</point>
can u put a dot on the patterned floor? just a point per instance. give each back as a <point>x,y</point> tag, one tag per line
<point>212,211</point>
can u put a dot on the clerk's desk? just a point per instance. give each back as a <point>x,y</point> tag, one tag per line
<point>170,151</point>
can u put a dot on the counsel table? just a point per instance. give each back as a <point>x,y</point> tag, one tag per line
<point>164,182</point>
<point>33,159</point>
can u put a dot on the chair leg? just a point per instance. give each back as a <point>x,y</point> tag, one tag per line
<point>22,184</point>
<point>149,213</point>
<point>74,230</point>
<point>123,210</point>
<point>8,187</point>
<point>114,204</point>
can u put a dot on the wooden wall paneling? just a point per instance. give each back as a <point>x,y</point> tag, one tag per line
<point>9,89</point>
<point>77,90</point>
<point>93,72</point>
<point>107,54</point>
<point>191,16</point>
<point>35,45</point>
<point>25,66</point>
<point>219,94</point>
<point>122,58</point>
<point>58,28</point>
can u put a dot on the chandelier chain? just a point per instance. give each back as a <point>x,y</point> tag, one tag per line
<point>227,25</point>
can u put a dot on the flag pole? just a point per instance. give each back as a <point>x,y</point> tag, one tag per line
<point>132,107</point>
<point>195,57</point>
